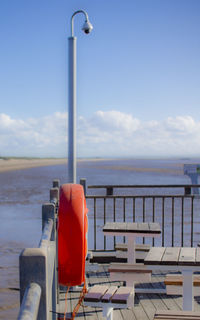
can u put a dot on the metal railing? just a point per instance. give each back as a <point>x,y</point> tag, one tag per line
<point>39,292</point>
<point>172,206</point>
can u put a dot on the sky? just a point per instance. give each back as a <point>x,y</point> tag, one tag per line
<point>138,78</point>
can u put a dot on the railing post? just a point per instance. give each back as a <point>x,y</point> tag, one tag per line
<point>33,268</point>
<point>48,212</point>
<point>56,183</point>
<point>83,183</point>
<point>109,191</point>
<point>54,195</point>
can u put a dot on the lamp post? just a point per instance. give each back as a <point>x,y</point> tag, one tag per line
<point>87,28</point>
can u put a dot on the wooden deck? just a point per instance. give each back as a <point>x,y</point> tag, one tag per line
<point>145,304</point>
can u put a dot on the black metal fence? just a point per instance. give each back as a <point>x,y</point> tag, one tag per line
<point>174,207</point>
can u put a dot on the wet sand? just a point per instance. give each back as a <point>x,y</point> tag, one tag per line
<point>19,164</point>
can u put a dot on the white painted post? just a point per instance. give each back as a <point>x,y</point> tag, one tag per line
<point>56,183</point>
<point>72,112</point>
<point>54,195</point>
<point>188,294</point>
<point>131,249</point>
<point>107,312</point>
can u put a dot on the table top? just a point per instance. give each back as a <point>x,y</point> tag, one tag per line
<point>184,256</point>
<point>132,227</point>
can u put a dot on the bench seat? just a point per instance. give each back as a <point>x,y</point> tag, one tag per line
<point>174,284</point>
<point>176,315</point>
<point>131,273</point>
<point>109,297</point>
<point>138,247</point>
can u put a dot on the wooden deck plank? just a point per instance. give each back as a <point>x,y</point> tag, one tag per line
<point>171,255</point>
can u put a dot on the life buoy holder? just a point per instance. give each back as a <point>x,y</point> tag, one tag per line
<point>72,230</point>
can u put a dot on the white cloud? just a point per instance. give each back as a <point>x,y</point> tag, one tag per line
<point>110,133</point>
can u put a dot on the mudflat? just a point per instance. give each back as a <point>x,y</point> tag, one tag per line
<point>19,164</point>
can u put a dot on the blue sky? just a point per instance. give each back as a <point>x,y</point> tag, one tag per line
<point>138,77</point>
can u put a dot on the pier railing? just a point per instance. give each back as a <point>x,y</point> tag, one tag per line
<point>174,207</point>
<point>38,268</point>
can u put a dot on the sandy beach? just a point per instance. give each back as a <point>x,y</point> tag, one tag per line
<point>19,164</point>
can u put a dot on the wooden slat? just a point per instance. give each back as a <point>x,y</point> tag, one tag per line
<point>143,227</point>
<point>155,227</point>
<point>95,293</point>
<point>115,227</point>
<point>171,256</point>
<point>131,227</point>
<point>177,280</point>
<point>187,256</point>
<point>128,267</point>
<point>109,293</point>
<point>139,255</point>
<point>197,255</point>
<point>138,247</point>
<point>154,256</point>
<point>121,295</point>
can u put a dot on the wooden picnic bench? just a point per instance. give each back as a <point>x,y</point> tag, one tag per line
<point>176,315</point>
<point>186,260</point>
<point>131,273</point>
<point>174,284</point>
<point>132,230</point>
<point>109,298</point>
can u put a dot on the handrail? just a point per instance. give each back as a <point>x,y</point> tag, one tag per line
<point>39,289</point>
<point>30,304</point>
<point>145,186</point>
<point>46,234</point>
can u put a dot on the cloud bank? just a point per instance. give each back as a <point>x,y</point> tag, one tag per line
<point>104,134</point>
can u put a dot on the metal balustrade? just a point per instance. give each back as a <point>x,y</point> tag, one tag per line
<point>172,206</point>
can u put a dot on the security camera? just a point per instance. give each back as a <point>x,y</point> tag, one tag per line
<point>87,27</point>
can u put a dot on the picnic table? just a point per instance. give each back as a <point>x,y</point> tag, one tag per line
<point>186,260</point>
<point>132,230</point>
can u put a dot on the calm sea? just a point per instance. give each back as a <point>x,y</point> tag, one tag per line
<point>23,192</point>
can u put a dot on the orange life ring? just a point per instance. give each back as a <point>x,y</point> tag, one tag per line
<point>72,229</point>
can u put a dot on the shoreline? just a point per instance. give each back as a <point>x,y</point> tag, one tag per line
<point>20,164</point>
<point>12,164</point>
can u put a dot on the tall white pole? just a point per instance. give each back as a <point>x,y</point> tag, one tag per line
<point>72,112</point>
<point>87,27</point>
